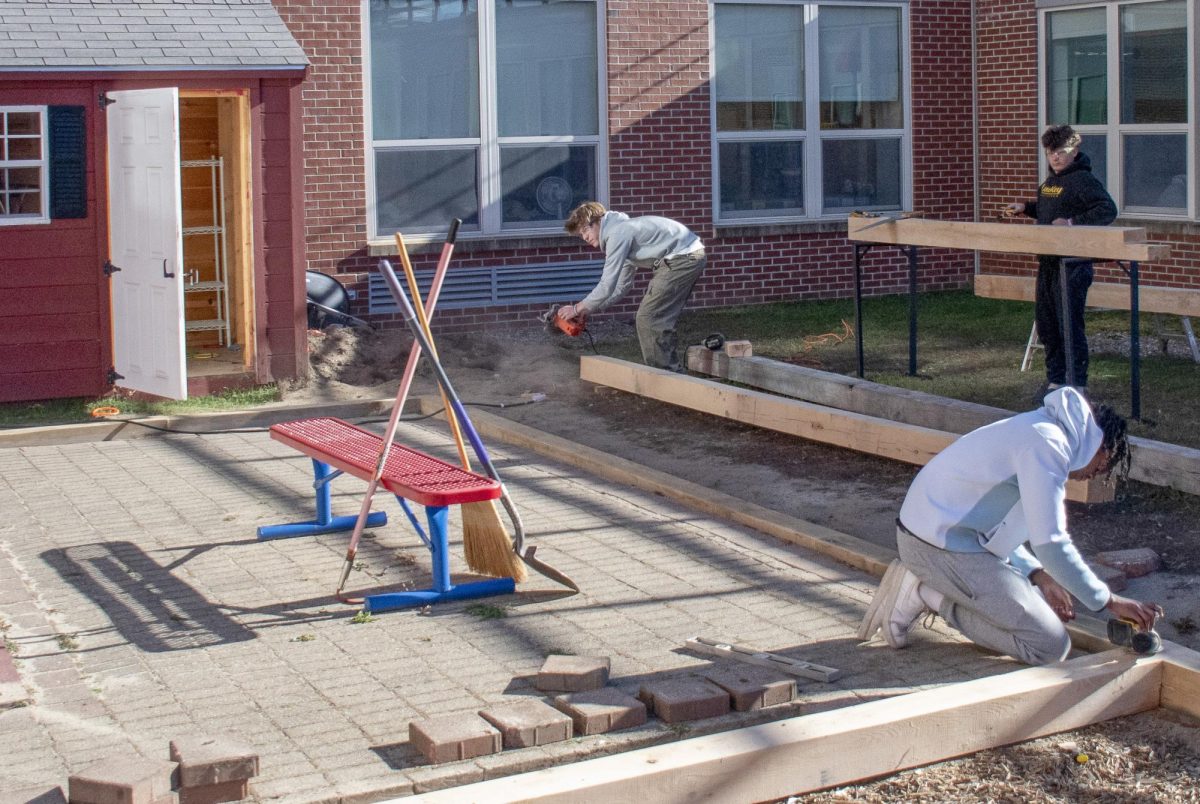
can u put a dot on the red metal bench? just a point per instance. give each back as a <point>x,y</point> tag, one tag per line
<point>337,447</point>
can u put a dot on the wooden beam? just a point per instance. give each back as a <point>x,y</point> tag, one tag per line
<point>1109,295</point>
<point>774,760</point>
<point>875,436</point>
<point>1154,462</point>
<point>1096,242</point>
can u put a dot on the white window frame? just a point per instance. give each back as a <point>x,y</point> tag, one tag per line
<point>812,137</point>
<point>1114,130</point>
<point>42,164</point>
<point>489,142</point>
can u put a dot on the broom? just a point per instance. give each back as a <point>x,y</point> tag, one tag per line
<point>410,370</point>
<point>487,547</point>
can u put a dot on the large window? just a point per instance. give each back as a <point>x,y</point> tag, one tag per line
<point>809,109</point>
<point>485,110</point>
<point>1119,74</point>
<point>23,164</point>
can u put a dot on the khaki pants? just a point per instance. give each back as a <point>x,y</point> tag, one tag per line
<point>673,280</point>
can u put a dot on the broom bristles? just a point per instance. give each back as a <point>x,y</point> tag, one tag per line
<point>486,543</point>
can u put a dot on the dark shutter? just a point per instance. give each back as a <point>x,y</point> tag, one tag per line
<point>68,162</point>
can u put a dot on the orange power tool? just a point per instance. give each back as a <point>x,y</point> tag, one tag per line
<point>556,323</point>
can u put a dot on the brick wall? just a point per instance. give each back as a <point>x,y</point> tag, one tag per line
<point>660,153</point>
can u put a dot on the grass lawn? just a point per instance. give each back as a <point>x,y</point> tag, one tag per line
<point>68,411</point>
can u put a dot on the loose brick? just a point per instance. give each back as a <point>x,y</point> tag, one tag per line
<point>573,673</point>
<point>1134,563</point>
<point>528,722</point>
<point>232,790</point>
<point>212,760</point>
<point>123,779</point>
<point>33,795</point>
<point>452,737</point>
<point>1115,579</point>
<point>602,710</point>
<point>675,700</point>
<point>752,687</point>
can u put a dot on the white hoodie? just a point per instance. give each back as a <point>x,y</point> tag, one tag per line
<point>1003,485</point>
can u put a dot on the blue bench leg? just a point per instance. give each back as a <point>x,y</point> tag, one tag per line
<point>437,517</point>
<point>325,522</point>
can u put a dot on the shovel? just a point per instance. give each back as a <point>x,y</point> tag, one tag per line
<point>526,554</point>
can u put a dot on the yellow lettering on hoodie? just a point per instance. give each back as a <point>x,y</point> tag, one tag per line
<point>1052,190</point>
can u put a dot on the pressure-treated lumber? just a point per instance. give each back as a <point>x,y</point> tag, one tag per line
<point>812,752</point>
<point>1109,295</point>
<point>894,440</point>
<point>1097,242</point>
<point>1153,462</point>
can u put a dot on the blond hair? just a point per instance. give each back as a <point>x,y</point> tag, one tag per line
<point>584,215</point>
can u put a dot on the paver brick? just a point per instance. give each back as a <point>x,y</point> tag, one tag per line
<point>573,673</point>
<point>231,790</point>
<point>1135,562</point>
<point>752,687</point>
<point>603,710</point>
<point>212,760</point>
<point>123,779</point>
<point>451,737</point>
<point>528,722</point>
<point>675,700</point>
<point>33,795</point>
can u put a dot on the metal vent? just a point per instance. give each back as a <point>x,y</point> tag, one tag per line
<point>500,285</point>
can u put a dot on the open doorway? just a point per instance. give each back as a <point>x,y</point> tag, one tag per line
<point>218,279</point>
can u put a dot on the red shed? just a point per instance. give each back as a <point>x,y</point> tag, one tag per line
<point>151,232</point>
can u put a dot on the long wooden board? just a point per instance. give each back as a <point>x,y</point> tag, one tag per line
<point>875,436</point>
<point>1097,242</point>
<point>1110,295</point>
<point>774,760</point>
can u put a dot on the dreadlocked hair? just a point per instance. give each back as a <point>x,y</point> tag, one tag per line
<point>1116,440</point>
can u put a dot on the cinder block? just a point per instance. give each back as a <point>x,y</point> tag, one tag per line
<point>752,687</point>
<point>33,795</point>
<point>123,779</point>
<point>528,722</point>
<point>573,673</point>
<point>1115,579</point>
<point>602,710</point>
<point>451,737</point>
<point>675,700</point>
<point>739,349</point>
<point>1135,562</point>
<point>231,790</point>
<point>212,760</point>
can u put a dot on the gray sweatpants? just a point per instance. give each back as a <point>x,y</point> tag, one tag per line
<point>660,309</point>
<point>989,601</point>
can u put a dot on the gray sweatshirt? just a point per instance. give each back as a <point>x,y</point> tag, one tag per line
<point>632,243</point>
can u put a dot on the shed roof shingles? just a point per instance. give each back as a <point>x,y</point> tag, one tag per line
<point>145,34</point>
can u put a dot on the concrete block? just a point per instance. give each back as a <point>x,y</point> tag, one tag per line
<point>675,700</point>
<point>602,710</point>
<point>1134,563</point>
<point>451,737</point>
<point>751,687</point>
<point>231,790</point>
<point>1115,579</point>
<point>212,760</point>
<point>33,795</point>
<point>573,673</point>
<point>123,779</point>
<point>528,722</point>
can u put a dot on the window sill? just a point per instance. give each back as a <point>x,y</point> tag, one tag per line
<point>743,229</point>
<point>1185,226</point>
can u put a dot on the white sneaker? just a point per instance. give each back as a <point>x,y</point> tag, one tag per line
<point>876,612</point>
<point>896,606</point>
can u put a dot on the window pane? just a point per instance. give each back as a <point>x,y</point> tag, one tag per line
<point>1096,148</point>
<point>761,179</point>
<point>424,69</point>
<point>1154,63</point>
<point>426,188</point>
<point>28,123</point>
<point>1077,76</point>
<point>25,148</point>
<point>1155,171</point>
<point>542,184</point>
<point>860,67</point>
<point>861,174</point>
<point>759,67</point>
<point>546,68</point>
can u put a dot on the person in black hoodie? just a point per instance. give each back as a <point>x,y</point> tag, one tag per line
<point>1070,196</point>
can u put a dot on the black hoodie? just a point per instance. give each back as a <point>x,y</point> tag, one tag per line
<point>1074,194</point>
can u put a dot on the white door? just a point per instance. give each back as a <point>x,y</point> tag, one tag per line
<point>146,241</point>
